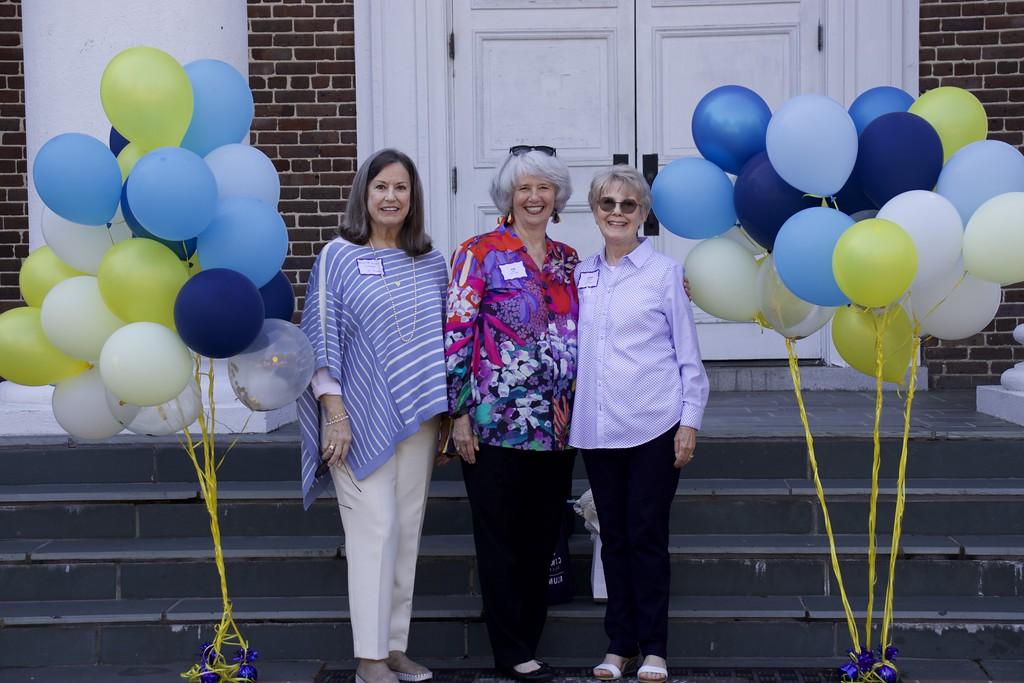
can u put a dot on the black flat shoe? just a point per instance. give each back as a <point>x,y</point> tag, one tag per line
<point>543,674</point>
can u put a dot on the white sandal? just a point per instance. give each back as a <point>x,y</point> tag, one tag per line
<point>660,671</point>
<point>628,665</point>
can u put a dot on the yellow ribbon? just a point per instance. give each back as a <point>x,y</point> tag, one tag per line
<point>226,633</point>
<point>794,371</point>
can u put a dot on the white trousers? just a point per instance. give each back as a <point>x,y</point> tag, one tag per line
<point>383,519</point>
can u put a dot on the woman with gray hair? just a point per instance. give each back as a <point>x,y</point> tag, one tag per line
<point>636,329</point>
<point>369,420</point>
<point>510,343</point>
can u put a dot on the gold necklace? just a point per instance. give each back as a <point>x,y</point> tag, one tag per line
<point>394,309</point>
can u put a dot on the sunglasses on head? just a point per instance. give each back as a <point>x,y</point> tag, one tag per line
<point>626,206</point>
<point>519,150</point>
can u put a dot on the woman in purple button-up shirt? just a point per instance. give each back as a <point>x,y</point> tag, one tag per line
<point>640,395</point>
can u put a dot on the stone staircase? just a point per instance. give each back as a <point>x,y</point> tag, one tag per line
<point>105,556</point>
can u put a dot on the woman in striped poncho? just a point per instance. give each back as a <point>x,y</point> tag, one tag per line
<point>369,420</point>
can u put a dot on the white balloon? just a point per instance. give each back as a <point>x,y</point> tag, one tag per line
<point>934,224</point>
<point>949,307</point>
<point>723,279</point>
<point>787,314</point>
<point>166,418</point>
<point>275,369</point>
<point>75,318</point>
<point>994,240</point>
<point>145,364</point>
<point>739,235</point>
<point>82,246</point>
<point>81,409</point>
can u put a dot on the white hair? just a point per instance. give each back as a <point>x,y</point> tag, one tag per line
<point>533,163</point>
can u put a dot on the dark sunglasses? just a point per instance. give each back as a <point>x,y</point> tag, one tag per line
<point>519,150</point>
<point>626,206</point>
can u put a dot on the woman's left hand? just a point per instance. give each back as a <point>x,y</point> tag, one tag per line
<point>686,287</point>
<point>686,441</point>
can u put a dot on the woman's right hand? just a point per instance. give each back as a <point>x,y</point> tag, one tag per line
<point>336,440</point>
<point>466,442</point>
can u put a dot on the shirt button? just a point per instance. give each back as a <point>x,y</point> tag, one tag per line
<point>551,316</point>
<point>547,298</point>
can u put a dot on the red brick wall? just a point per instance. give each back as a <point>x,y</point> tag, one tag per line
<point>979,46</point>
<point>302,74</point>
<point>13,195</point>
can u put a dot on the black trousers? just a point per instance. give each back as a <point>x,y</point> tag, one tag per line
<point>633,491</point>
<point>518,500</point>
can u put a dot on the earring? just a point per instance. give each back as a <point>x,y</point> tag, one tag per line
<point>555,218</point>
<point>510,219</point>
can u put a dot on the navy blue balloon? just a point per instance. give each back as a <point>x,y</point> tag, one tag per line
<point>851,198</point>
<point>218,313</point>
<point>729,126</point>
<point>279,297</point>
<point>183,250</point>
<point>764,201</point>
<point>875,102</point>
<point>117,141</point>
<point>898,152</point>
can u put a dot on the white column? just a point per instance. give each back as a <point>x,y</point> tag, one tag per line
<point>67,45</point>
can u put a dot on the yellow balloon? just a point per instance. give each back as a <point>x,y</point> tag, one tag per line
<point>874,262</point>
<point>139,280</point>
<point>27,356</point>
<point>128,157</point>
<point>40,272</point>
<point>854,331</point>
<point>147,96</point>
<point>955,114</point>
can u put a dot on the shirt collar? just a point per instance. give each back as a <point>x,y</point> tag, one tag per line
<point>637,257</point>
<point>510,230</point>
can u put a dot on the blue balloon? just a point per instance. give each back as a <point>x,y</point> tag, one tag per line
<point>764,201</point>
<point>78,178</point>
<point>173,193</point>
<point>117,141</point>
<point>803,255</point>
<point>222,106</point>
<point>279,298</point>
<point>694,198</point>
<point>245,235</point>
<point>898,152</point>
<point>978,172</point>
<point>244,171</point>
<point>851,198</point>
<point>218,313</point>
<point>183,250</point>
<point>729,126</point>
<point>812,143</point>
<point>875,102</point>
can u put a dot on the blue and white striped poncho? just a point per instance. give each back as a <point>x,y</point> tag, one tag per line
<point>390,387</point>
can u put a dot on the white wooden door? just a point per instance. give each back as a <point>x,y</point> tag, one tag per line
<point>545,72</point>
<point>686,48</point>
<point>598,77</point>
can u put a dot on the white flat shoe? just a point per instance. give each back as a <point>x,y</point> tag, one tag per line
<point>413,678</point>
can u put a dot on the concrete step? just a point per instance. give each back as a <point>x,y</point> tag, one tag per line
<point>728,506</point>
<point>275,457</point>
<point>751,565</point>
<point>155,632</point>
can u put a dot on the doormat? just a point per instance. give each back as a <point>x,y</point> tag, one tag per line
<point>676,675</point>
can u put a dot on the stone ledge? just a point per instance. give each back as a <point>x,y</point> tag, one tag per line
<point>1002,403</point>
<point>812,378</point>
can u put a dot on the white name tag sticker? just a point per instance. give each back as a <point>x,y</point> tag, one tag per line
<point>513,271</point>
<point>370,266</point>
<point>588,279</point>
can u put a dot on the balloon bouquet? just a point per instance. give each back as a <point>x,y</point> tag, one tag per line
<point>894,219</point>
<point>163,252</point>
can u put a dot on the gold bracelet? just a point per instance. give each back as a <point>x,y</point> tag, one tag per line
<point>336,419</point>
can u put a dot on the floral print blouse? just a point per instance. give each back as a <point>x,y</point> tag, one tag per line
<point>510,340</point>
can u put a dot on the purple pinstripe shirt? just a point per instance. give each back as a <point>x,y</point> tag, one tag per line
<point>639,371</point>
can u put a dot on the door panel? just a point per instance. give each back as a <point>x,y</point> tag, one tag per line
<point>686,48</point>
<point>557,72</point>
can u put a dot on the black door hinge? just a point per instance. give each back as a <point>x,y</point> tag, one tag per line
<point>821,37</point>
<point>451,45</point>
<point>455,179</point>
